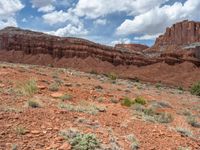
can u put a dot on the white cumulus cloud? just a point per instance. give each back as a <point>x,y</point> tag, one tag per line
<point>61,16</point>
<point>48,8</point>
<point>121,41</point>
<point>100,22</point>
<point>70,30</point>
<point>8,9</point>
<point>147,37</point>
<point>100,8</point>
<point>156,20</point>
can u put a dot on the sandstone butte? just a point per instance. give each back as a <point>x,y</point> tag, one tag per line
<point>180,43</point>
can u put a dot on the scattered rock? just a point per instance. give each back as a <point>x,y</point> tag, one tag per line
<point>35,132</point>
<point>56,95</point>
<point>41,87</point>
<point>65,146</point>
<point>2,85</point>
<point>68,84</point>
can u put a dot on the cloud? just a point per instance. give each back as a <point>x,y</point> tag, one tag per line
<point>48,8</point>
<point>70,30</point>
<point>156,20</point>
<point>121,41</point>
<point>100,8</point>
<point>24,20</point>
<point>147,37</point>
<point>41,3</point>
<point>8,22</point>
<point>49,5</point>
<point>8,10</point>
<point>56,17</point>
<point>100,22</point>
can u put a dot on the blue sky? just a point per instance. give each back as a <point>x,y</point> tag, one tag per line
<point>103,21</point>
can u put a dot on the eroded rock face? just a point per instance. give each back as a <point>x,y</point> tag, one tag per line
<point>180,42</point>
<point>132,47</point>
<point>180,34</point>
<point>25,46</point>
<point>38,43</point>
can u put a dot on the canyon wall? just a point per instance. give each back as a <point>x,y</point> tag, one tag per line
<point>132,47</point>
<point>32,43</point>
<point>14,39</point>
<point>180,34</point>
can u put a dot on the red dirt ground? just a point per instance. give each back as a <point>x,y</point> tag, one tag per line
<point>115,121</point>
<point>178,75</point>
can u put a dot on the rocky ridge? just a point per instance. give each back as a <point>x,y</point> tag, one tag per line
<point>29,42</point>
<point>14,40</point>
<point>131,47</point>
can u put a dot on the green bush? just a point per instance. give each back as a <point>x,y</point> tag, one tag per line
<point>158,85</point>
<point>150,114</point>
<point>195,90</point>
<point>127,102</point>
<point>164,117</point>
<point>54,87</point>
<point>112,76</point>
<point>20,130</point>
<point>184,132</point>
<point>66,97</point>
<point>140,100</point>
<point>27,88</point>
<point>93,72</point>
<point>193,121</point>
<point>33,104</point>
<point>84,142</point>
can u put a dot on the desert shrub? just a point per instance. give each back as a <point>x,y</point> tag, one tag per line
<point>85,142</point>
<point>113,100</point>
<point>195,89</point>
<point>164,117</point>
<point>80,141</point>
<point>54,87</point>
<point>93,72</point>
<point>33,104</point>
<point>193,121</point>
<point>184,148</point>
<point>160,104</point>
<point>135,79</point>
<point>66,97</point>
<point>150,114</point>
<point>111,76</point>
<point>14,147</point>
<point>134,142</point>
<point>99,87</point>
<point>158,85</point>
<point>85,108</point>
<point>127,102</point>
<point>184,131</point>
<point>50,65</point>
<point>20,130</point>
<point>180,88</point>
<point>10,109</point>
<point>27,88</point>
<point>140,100</point>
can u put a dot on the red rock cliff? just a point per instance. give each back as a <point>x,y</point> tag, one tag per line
<point>132,47</point>
<point>182,33</point>
<point>35,44</point>
<point>39,43</point>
